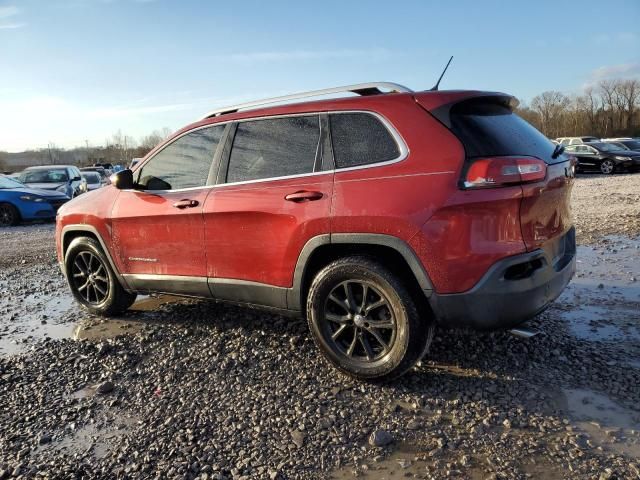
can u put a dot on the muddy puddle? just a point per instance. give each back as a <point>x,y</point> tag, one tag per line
<point>602,303</point>
<point>608,426</point>
<point>99,438</point>
<point>59,316</point>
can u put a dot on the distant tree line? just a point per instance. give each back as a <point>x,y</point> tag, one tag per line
<point>119,148</point>
<point>610,109</point>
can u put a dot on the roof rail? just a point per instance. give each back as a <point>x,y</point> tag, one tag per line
<point>372,88</point>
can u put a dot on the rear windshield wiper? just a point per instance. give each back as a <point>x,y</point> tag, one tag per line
<point>557,151</point>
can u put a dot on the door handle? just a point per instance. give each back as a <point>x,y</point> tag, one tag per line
<point>303,196</point>
<point>185,204</point>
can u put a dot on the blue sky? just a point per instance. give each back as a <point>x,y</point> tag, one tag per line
<point>76,70</point>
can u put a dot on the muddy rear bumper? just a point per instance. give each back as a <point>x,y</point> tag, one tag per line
<point>513,290</point>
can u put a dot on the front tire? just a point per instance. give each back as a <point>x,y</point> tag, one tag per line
<point>93,282</point>
<point>365,321</point>
<point>607,167</point>
<point>9,215</point>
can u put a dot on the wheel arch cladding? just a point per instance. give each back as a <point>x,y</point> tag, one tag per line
<point>391,251</point>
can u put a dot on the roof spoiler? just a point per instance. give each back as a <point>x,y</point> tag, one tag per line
<point>442,112</point>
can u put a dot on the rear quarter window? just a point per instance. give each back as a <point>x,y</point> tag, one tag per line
<point>361,139</point>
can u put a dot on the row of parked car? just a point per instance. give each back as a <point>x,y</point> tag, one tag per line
<point>607,155</point>
<point>37,193</point>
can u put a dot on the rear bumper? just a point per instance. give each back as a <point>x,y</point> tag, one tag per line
<point>513,289</point>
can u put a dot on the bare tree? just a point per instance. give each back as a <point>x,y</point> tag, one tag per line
<point>551,106</point>
<point>629,93</point>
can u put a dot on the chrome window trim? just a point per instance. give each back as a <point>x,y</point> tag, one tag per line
<point>402,147</point>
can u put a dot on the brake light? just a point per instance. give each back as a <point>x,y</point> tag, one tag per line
<point>504,171</point>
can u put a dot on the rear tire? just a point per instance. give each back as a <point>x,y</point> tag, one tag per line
<point>93,282</point>
<point>9,215</point>
<point>365,321</point>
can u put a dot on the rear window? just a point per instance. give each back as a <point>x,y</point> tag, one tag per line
<point>489,129</point>
<point>361,139</point>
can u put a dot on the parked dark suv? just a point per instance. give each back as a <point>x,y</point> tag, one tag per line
<point>376,217</point>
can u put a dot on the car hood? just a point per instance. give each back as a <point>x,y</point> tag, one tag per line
<point>45,186</point>
<point>37,191</point>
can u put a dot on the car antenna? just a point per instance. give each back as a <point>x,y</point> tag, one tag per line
<point>435,87</point>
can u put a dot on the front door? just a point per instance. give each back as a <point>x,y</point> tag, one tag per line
<point>271,200</point>
<point>158,228</point>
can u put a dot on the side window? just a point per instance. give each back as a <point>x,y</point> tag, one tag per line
<point>360,139</point>
<point>185,163</point>
<point>571,148</point>
<point>274,147</point>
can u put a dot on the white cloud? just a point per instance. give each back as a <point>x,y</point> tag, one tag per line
<point>607,72</point>
<point>9,11</point>
<point>12,26</point>
<point>7,18</point>
<point>612,71</point>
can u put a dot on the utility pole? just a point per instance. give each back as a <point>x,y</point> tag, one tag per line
<point>50,156</point>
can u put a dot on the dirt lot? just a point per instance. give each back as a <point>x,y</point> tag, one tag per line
<point>190,389</point>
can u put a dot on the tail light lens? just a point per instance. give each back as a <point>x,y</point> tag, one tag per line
<point>504,171</point>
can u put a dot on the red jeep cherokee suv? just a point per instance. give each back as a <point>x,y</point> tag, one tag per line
<point>377,216</point>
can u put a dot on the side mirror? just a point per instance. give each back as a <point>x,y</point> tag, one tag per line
<point>76,179</point>
<point>123,180</point>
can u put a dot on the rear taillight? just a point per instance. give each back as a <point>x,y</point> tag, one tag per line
<point>503,171</point>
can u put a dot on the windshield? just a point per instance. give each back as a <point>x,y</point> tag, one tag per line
<point>57,175</point>
<point>606,147</point>
<point>6,182</point>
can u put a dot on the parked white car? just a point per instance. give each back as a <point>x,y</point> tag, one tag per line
<point>576,140</point>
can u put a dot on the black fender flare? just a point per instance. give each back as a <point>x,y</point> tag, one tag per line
<point>294,295</point>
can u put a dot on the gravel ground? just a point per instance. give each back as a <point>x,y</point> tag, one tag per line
<point>190,389</point>
<point>606,205</point>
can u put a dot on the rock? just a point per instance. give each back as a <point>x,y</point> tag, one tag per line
<point>298,438</point>
<point>44,439</point>
<point>414,424</point>
<point>274,475</point>
<point>380,438</point>
<point>105,387</point>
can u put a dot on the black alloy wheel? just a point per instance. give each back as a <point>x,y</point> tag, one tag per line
<point>94,283</point>
<point>366,319</point>
<point>90,278</point>
<point>360,321</point>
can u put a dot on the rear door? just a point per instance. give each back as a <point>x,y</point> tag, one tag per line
<point>158,227</point>
<point>272,198</point>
